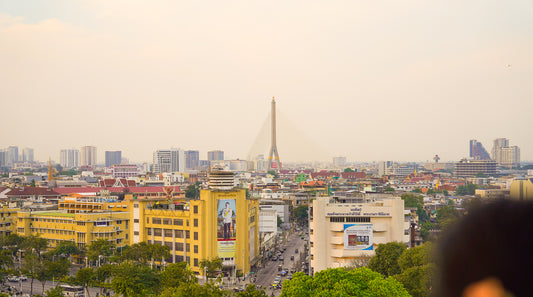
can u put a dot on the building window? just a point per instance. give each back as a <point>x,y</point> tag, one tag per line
<point>195,235</point>
<point>178,233</point>
<point>167,221</point>
<point>195,262</point>
<point>149,231</point>
<point>157,232</point>
<point>195,209</point>
<point>147,220</point>
<point>135,232</point>
<point>336,219</point>
<point>136,220</point>
<point>196,249</point>
<point>136,205</point>
<point>179,246</point>
<point>188,246</point>
<point>178,222</point>
<point>358,219</point>
<point>195,222</point>
<point>156,220</point>
<point>168,233</point>
<point>187,234</point>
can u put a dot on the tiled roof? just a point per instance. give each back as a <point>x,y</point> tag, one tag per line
<point>32,191</point>
<point>133,190</point>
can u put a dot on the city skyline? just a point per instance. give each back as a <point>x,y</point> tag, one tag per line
<point>369,81</point>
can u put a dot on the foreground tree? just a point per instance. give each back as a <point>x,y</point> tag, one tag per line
<point>300,215</point>
<point>252,291</point>
<point>211,266</point>
<point>341,282</point>
<point>85,277</point>
<point>386,259</point>
<point>194,289</point>
<point>135,280</point>
<point>177,274</point>
<point>98,248</point>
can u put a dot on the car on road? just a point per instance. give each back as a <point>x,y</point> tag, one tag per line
<point>283,272</point>
<point>292,258</point>
<point>13,278</point>
<point>281,258</point>
<point>23,278</point>
<point>296,251</point>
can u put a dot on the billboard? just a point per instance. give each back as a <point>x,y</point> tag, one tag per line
<point>226,234</point>
<point>358,237</point>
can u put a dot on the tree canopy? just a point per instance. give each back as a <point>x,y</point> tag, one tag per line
<point>341,282</point>
<point>386,259</point>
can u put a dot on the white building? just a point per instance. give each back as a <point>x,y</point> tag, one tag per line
<point>124,170</point>
<point>88,156</point>
<point>27,155</point>
<point>69,158</point>
<point>169,160</point>
<point>343,230</point>
<point>268,221</point>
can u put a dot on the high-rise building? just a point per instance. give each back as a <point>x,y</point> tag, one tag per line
<point>505,155</point>
<point>27,155</point>
<point>215,155</point>
<point>113,158</point>
<point>510,156</point>
<point>477,151</point>
<point>169,160</point>
<point>3,157</point>
<point>339,162</point>
<point>69,158</point>
<point>499,143</point>
<point>88,156</point>
<point>192,159</point>
<point>12,155</point>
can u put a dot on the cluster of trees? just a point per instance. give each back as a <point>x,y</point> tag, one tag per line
<point>130,272</point>
<point>343,282</point>
<point>413,268</point>
<point>468,189</point>
<point>444,218</point>
<point>300,215</point>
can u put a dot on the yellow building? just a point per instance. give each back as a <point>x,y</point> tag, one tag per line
<point>76,203</point>
<point>522,189</point>
<point>7,220</point>
<point>197,229</point>
<point>81,228</point>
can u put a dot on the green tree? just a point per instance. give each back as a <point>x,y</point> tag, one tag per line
<point>386,259</point>
<point>279,221</point>
<point>425,230</point>
<point>410,200</point>
<point>348,169</point>
<point>32,267</point>
<point>32,184</point>
<point>389,189</point>
<point>13,242</point>
<point>417,270</point>
<point>102,274</point>
<point>417,190</point>
<point>66,248</point>
<point>193,191</point>
<point>341,282</point>
<point>273,173</point>
<point>468,189</point>
<point>195,289</point>
<point>211,266</point>
<point>100,247</point>
<point>252,291</point>
<point>35,244</point>
<point>58,269</point>
<point>300,214</point>
<point>131,280</point>
<point>85,277</point>
<point>54,292</point>
<point>143,252</point>
<point>417,280</point>
<point>176,274</point>
<point>446,216</point>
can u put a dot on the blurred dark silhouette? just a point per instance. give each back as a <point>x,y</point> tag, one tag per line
<point>489,252</point>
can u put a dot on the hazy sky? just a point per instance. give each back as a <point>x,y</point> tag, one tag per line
<point>369,80</point>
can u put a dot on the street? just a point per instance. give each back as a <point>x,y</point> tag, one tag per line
<point>266,275</point>
<point>37,287</point>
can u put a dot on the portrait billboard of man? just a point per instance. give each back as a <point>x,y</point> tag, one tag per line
<point>226,234</point>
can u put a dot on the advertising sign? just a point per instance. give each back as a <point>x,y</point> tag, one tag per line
<point>226,234</point>
<point>358,237</point>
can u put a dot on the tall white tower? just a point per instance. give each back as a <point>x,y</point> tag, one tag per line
<point>273,148</point>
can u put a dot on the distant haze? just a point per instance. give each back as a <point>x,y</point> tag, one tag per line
<point>369,80</point>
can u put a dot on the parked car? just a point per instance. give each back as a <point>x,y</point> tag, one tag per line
<point>13,278</point>
<point>23,278</point>
<point>292,258</point>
